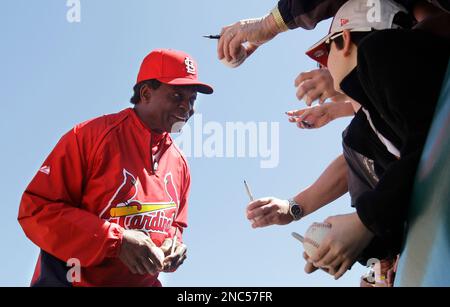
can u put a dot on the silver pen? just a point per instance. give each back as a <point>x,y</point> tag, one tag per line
<point>298,236</point>
<point>174,241</point>
<point>249,193</point>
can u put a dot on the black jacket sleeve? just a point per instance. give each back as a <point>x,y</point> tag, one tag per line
<point>307,13</point>
<point>401,72</point>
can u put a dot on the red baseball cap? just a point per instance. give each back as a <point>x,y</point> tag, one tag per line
<point>172,67</point>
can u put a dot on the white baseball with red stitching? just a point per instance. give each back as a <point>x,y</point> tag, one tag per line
<point>314,237</point>
<point>242,55</point>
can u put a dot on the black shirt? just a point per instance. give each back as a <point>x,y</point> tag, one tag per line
<point>397,79</point>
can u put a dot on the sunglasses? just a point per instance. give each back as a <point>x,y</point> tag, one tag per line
<point>330,40</point>
<point>328,45</point>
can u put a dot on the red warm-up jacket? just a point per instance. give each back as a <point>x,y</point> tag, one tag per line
<point>99,180</point>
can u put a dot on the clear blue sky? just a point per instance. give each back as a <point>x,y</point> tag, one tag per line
<point>55,74</point>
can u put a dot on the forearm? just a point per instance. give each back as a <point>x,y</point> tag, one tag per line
<point>331,185</point>
<point>276,21</point>
<point>66,231</point>
<point>337,110</point>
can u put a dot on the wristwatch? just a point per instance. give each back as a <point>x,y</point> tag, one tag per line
<point>295,209</point>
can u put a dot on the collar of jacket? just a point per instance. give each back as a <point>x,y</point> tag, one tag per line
<point>352,87</point>
<point>156,138</point>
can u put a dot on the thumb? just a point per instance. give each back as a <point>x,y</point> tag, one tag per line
<point>329,220</point>
<point>157,256</point>
<point>166,246</point>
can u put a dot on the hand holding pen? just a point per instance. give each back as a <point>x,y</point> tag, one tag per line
<point>175,252</point>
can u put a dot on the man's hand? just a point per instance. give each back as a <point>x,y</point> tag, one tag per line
<point>268,211</point>
<point>173,261</point>
<point>315,84</point>
<point>254,32</point>
<point>309,118</point>
<point>346,240</point>
<point>140,254</point>
<point>319,116</point>
<point>309,266</point>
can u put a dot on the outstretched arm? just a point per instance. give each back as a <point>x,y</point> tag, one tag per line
<point>331,185</point>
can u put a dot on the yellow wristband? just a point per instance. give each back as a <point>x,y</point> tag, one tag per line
<point>279,19</point>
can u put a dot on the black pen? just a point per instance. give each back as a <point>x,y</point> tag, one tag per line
<point>212,36</point>
<point>306,123</point>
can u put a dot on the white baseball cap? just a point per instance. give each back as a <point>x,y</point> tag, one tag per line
<point>357,15</point>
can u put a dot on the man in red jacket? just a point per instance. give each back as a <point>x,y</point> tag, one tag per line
<point>112,195</point>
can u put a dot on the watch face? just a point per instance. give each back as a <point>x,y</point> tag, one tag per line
<point>296,211</point>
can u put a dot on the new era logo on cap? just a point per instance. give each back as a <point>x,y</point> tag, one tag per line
<point>172,67</point>
<point>344,21</point>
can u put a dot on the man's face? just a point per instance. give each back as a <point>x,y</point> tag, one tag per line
<point>169,107</point>
<point>341,61</point>
<point>335,65</point>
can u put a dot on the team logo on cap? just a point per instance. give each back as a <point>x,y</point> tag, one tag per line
<point>344,21</point>
<point>319,53</point>
<point>190,66</point>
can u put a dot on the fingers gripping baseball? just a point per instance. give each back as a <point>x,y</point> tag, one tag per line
<point>254,32</point>
<point>140,254</point>
<point>309,266</point>
<point>345,240</point>
<point>173,261</point>
<point>167,246</point>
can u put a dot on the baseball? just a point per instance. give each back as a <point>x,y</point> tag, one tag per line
<point>314,236</point>
<point>240,59</point>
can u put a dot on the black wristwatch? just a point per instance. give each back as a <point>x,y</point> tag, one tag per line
<point>295,210</point>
